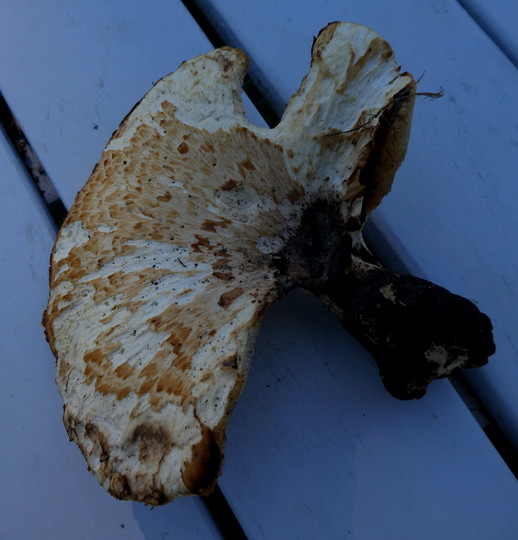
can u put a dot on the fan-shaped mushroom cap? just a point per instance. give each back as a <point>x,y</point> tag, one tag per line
<point>191,224</point>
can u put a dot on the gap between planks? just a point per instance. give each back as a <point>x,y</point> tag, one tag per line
<point>488,29</point>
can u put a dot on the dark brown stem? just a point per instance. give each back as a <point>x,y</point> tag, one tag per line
<point>415,330</point>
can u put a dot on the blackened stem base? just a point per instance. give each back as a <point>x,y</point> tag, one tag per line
<point>415,330</point>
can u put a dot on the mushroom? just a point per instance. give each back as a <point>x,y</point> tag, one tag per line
<point>194,221</point>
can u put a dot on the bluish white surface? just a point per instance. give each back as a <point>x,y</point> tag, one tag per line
<point>498,18</point>
<point>317,449</point>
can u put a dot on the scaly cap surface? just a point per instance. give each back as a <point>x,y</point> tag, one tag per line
<point>175,246</point>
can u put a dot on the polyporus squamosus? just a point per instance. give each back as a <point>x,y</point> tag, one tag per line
<point>195,221</point>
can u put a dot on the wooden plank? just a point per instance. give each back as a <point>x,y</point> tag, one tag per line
<point>498,18</point>
<point>450,217</point>
<point>46,491</point>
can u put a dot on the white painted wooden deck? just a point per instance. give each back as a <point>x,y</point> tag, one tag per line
<point>316,448</point>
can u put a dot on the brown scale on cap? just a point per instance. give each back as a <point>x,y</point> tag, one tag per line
<point>194,221</point>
